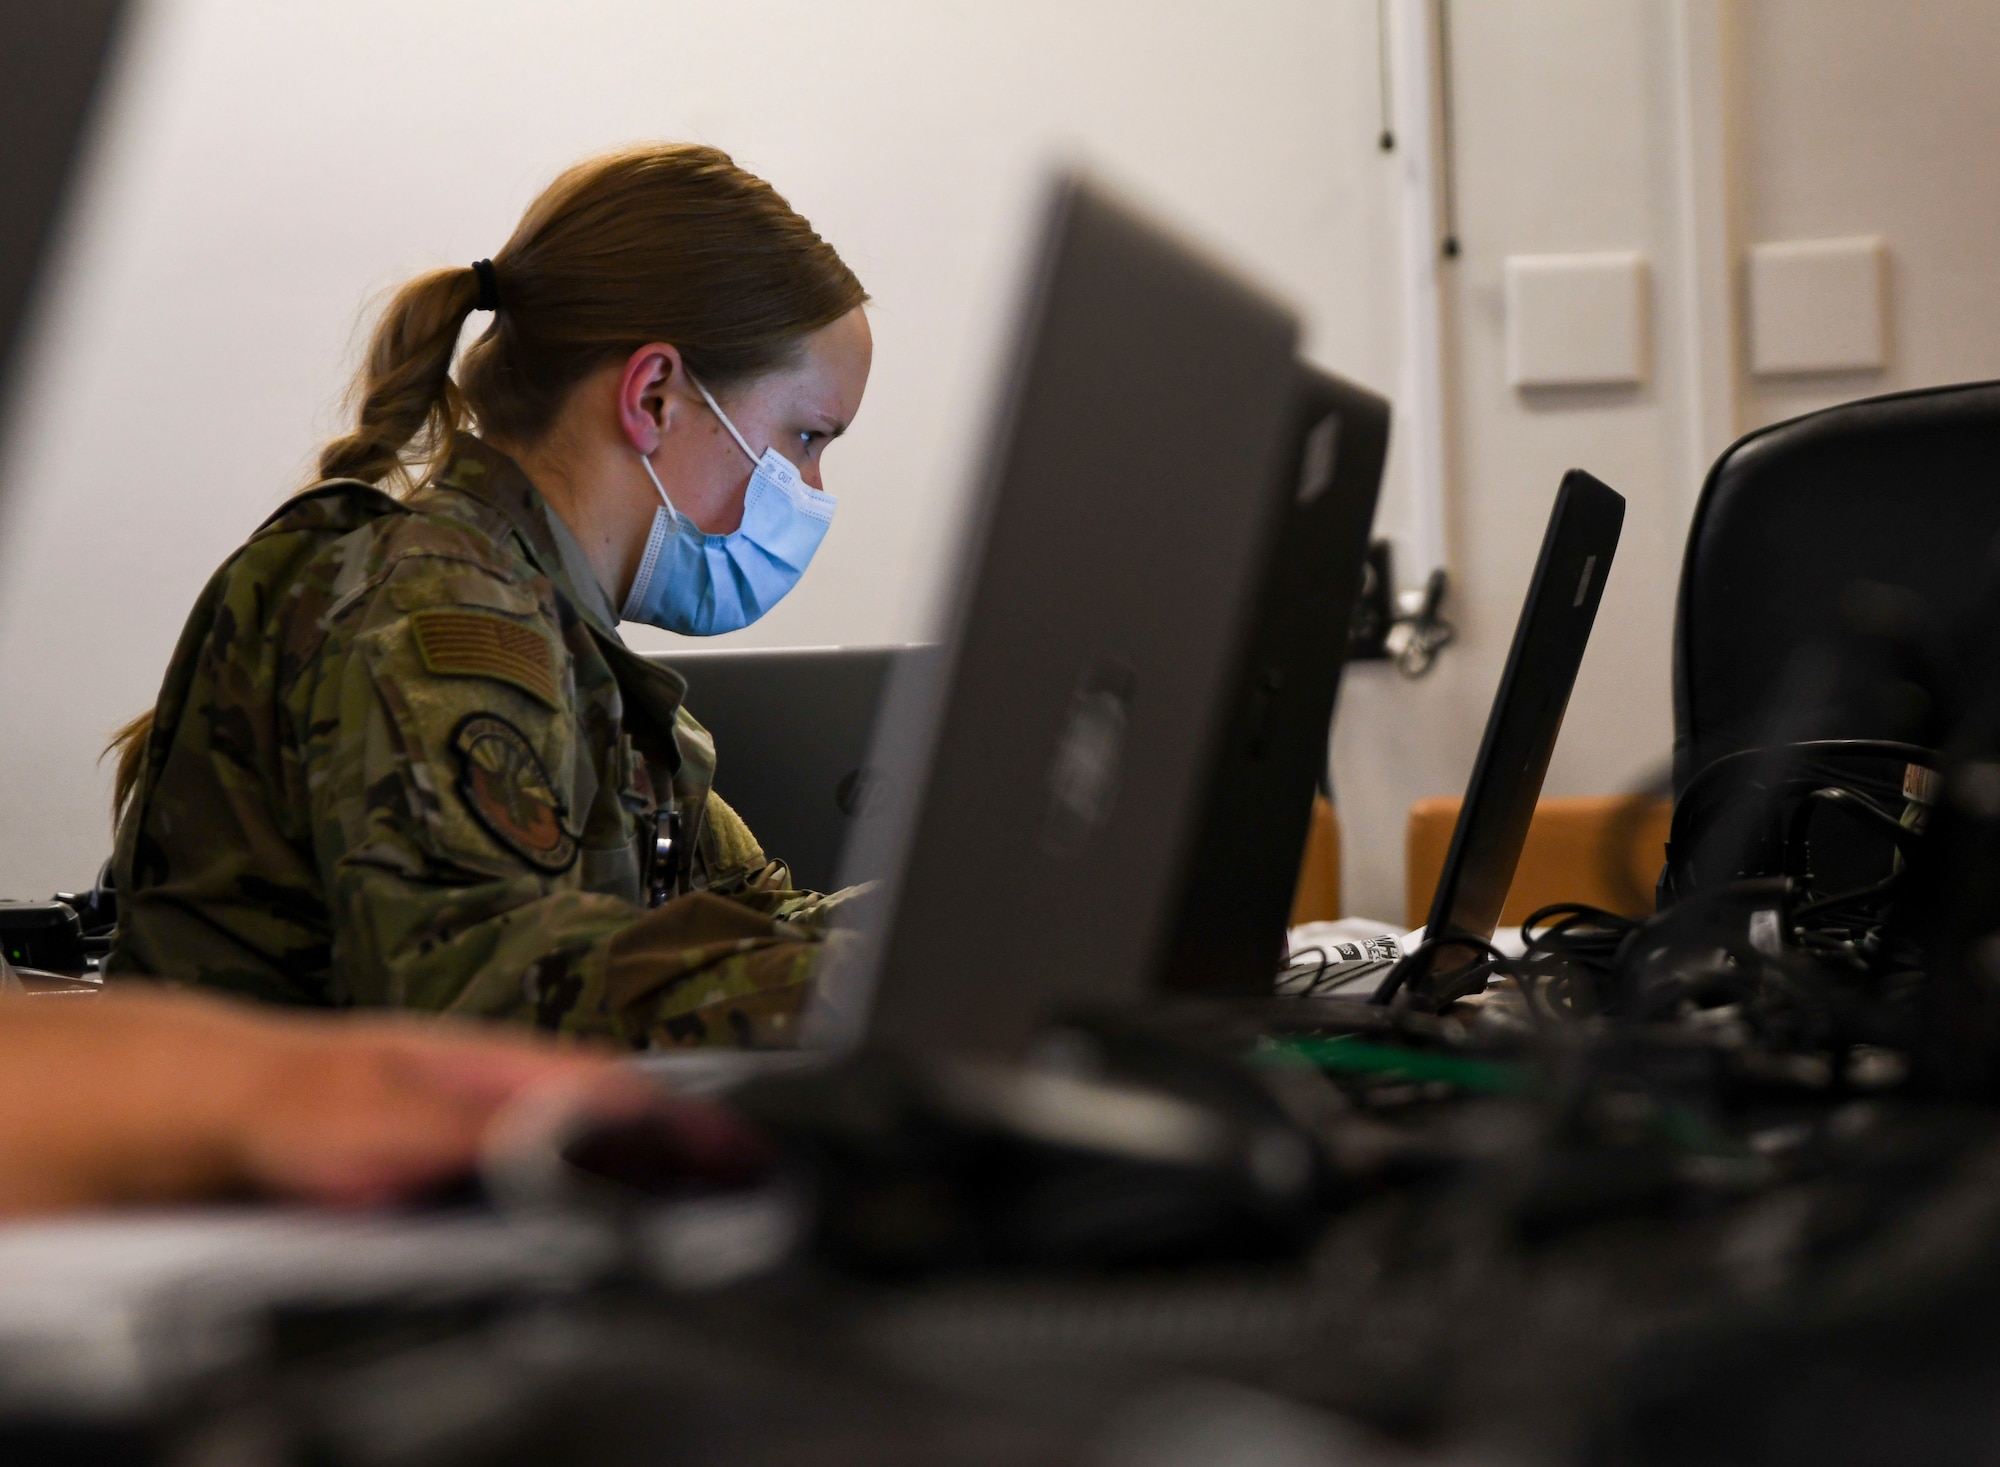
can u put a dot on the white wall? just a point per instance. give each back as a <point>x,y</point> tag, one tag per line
<point>268,169</point>
<point>1565,144</point>
<point>1858,117</point>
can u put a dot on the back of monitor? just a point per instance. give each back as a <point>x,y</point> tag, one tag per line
<point>1228,932</point>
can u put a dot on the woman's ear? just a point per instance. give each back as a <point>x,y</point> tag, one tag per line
<point>649,393</point>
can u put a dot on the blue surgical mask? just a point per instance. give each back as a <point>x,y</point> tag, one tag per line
<point>704,585</point>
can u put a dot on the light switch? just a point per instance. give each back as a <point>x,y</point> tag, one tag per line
<point>1817,305</point>
<point>1576,320</point>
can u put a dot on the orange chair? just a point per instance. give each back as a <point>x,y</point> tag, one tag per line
<point>1318,896</point>
<point>1605,850</point>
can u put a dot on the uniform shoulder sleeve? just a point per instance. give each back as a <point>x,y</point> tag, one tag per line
<point>443,749</point>
<point>482,733</point>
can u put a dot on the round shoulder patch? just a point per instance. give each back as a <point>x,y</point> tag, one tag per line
<point>506,787</point>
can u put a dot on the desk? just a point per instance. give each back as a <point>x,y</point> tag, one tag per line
<point>1528,1303</point>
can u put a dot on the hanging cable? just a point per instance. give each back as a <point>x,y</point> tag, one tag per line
<point>1447,141</point>
<point>1386,141</point>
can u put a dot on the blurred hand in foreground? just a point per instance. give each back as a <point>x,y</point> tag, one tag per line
<point>142,1097</point>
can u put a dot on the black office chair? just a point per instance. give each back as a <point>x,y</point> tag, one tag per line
<point>1901,491</point>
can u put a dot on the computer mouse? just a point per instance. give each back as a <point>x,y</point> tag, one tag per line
<point>618,1142</point>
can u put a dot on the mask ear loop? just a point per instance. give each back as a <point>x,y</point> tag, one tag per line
<point>716,408</point>
<point>647,464</point>
<point>648,562</point>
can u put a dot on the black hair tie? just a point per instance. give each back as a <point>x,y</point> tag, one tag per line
<point>489,286</point>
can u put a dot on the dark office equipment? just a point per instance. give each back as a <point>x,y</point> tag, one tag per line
<point>1873,519</point>
<point>43,935</point>
<point>1038,836</point>
<point>1099,660</point>
<point>1107,1148</point>
<point>1521,730</point>
<point>1229,929</point>
<point>51,66</point>
<point>97,908</point>
<point>1045,770</point>
<point>1071,723</point>
<point>1374,605</point>
<point>791,728</point>
<point>1899,491</point>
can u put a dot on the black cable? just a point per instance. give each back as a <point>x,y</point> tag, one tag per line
<point>1326,972</point>
<point>1850,935</point>
<point>1776,760</point>
<point>1387,140</point>
<point>1419,960</point>
<point>1319,969</point>
<point>1849,801</point>
<point>1588,934</point>
<point>1803,749</point>
<point>1535,987</point>
<point>1840,898</point>
<point>1580,940</point>
<point>1448,133</point>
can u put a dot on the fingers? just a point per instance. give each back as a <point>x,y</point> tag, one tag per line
<point>148,1097</point>
<point>378,1111</point>
<point>151,1096</point>
<point>357,1112</point>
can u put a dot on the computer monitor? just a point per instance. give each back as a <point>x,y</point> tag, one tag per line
<point>1228,933</point>
<point>791,728</point>
<point>1045,781</point>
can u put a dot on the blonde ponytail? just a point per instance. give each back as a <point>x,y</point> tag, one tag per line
<point>409,409</point>
<point>128,748</point>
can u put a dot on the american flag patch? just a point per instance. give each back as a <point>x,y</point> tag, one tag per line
<point>458,643</point>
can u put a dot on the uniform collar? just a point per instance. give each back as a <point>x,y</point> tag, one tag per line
<point>487,476</point>
<point>482,472</point>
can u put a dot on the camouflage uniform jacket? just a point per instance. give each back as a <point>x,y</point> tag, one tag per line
<point>401,757</point>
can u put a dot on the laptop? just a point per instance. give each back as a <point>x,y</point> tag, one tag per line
<point>50,74</point>
<point>791,728</point>
<point>1043,776</point>
<point>1521,729</point>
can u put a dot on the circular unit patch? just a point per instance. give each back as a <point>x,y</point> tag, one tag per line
<point>506,787</point>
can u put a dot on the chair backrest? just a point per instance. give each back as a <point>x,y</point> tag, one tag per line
<point>1902,490</point>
